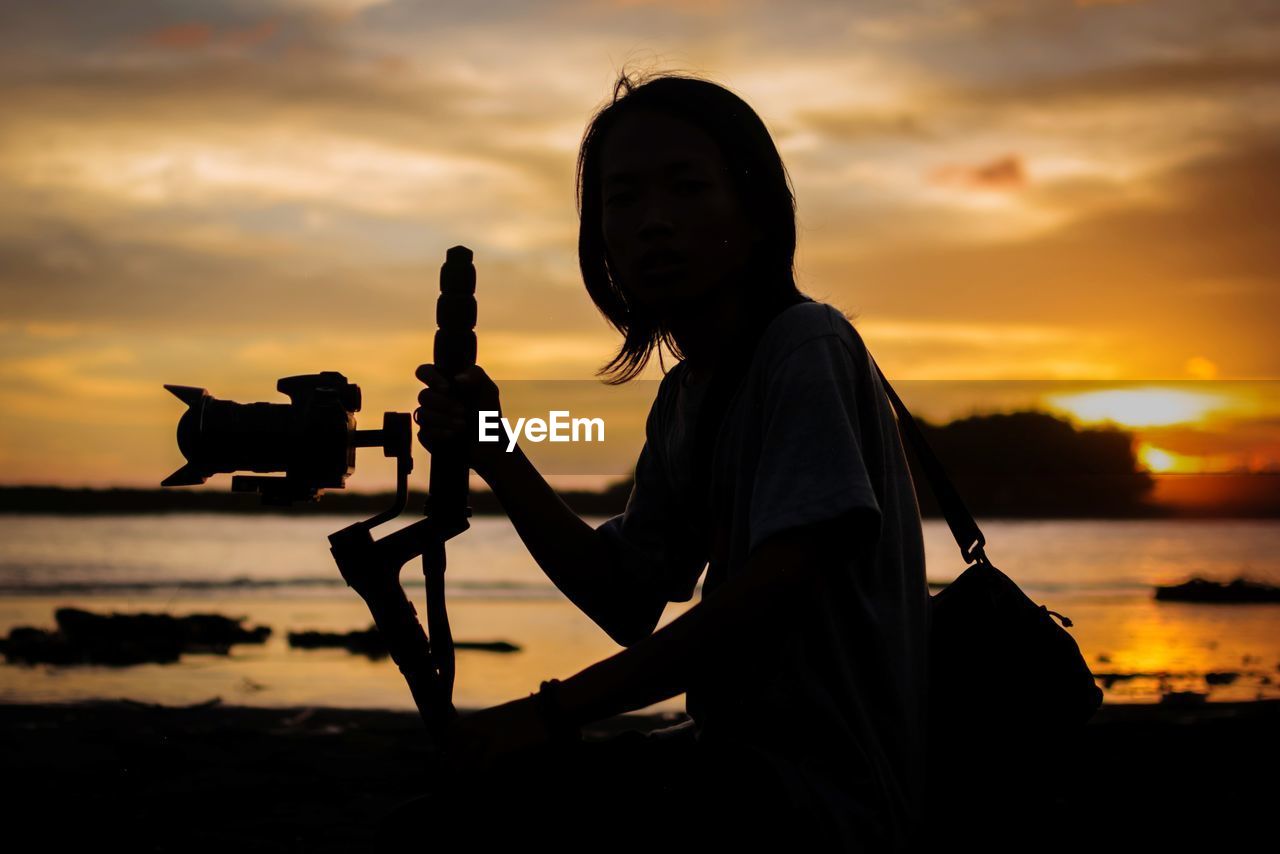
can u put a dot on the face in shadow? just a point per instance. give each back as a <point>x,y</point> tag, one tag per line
<point>673,226</point>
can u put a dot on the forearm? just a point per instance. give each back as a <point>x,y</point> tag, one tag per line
<point>722,625</point>
<point>568,549</point>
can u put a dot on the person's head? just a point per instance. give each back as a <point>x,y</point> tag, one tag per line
<point>681,193</point>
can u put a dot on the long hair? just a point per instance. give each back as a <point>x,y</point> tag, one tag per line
<point>759,178</point>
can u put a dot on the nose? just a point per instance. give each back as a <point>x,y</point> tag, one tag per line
<point>657,214</point>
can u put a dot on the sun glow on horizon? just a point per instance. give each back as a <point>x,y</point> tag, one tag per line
<point>1142,407</point>
<point>1161,461</point>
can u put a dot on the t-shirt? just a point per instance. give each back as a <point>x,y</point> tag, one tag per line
<point>834,698</point>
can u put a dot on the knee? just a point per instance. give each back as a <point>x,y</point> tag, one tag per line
<point>403,821</point>
<point>434,818</point>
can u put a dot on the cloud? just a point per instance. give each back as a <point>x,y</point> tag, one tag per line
<point>184,36</point>
<point>987,354</point>
<point>1003,174</point>
<point>85,386</point>
<point>1190,270</point>
<point>1169,78</point>
<point>848,125</point>
<point>229,189</point>
<point>57,272</point>
<point>197,35</point>
<point>688,7</point>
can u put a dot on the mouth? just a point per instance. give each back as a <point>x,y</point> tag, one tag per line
<point>662,271</point>
<point>661,262</point>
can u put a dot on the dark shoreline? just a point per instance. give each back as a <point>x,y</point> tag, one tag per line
<point>316,779</point>
<point>1259,499</point>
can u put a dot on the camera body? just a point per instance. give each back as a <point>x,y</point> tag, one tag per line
<point>311,439</point>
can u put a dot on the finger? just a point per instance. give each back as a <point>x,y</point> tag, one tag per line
<point>428,374</point>
<point>473,375</point>
<point>433,431</point>
<point>445,426</point>
<point>434,441</point>
<point>436,401</point>
<point>438,422</point>
<point>439,425</point>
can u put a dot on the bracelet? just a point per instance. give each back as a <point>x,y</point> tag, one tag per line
<point>561,729</point>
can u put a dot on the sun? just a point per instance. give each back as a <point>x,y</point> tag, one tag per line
<point>1160,461</point>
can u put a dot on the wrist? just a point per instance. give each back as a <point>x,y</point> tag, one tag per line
<point>498,466</point>
<point>562,727</point>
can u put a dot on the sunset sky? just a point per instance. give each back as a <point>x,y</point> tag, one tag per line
<point>224,193</point>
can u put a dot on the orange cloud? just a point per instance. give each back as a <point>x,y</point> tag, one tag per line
<point>187,36</point>
<point>251,36</point>
<point>1003,174</point>
<point>195,35</point>
<point>686,6</point>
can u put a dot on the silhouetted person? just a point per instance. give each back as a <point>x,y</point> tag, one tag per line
<point>805,661</point>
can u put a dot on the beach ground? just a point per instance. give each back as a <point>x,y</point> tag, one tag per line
<point>319,779</point>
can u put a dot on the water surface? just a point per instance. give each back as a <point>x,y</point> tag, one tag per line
<point>277,571</point>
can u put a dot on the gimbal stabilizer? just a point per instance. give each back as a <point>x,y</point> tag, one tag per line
<point>313,440</point>
<point>372,567</point>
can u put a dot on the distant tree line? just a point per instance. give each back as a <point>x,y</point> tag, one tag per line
<point>1022,464</point>
<point>1033,464</point>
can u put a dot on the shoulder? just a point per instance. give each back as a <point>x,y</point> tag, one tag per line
<point>669,387</point>
<point>810,327</point>
<point>665,400</point>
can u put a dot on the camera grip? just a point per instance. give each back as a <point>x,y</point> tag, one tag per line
<point>454,351</point>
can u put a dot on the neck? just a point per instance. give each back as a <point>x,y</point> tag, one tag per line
<point>707,327</point>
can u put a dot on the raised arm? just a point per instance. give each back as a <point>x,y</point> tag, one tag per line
<point>573,554</point>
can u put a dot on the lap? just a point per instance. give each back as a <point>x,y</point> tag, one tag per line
<point>634,790</point>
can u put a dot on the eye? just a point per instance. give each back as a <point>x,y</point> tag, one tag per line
<point>689,186</point>
<point>621,197</point>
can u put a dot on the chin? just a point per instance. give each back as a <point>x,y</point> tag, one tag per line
<point>665,296</point>
<point>653,296</point>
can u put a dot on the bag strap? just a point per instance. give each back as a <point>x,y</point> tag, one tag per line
<point>963,527</point>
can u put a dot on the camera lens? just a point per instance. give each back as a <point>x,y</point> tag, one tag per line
<point>309,439</point>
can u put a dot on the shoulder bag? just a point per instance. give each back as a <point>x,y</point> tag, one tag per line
<point>1009,686</point>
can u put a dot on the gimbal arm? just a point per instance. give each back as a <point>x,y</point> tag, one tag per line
<point>372,568</point>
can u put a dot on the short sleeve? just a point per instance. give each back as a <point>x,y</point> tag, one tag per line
<point>811,465</point>
<point>651,540</point>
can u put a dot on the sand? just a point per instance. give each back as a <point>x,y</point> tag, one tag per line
<point>319,779</point>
